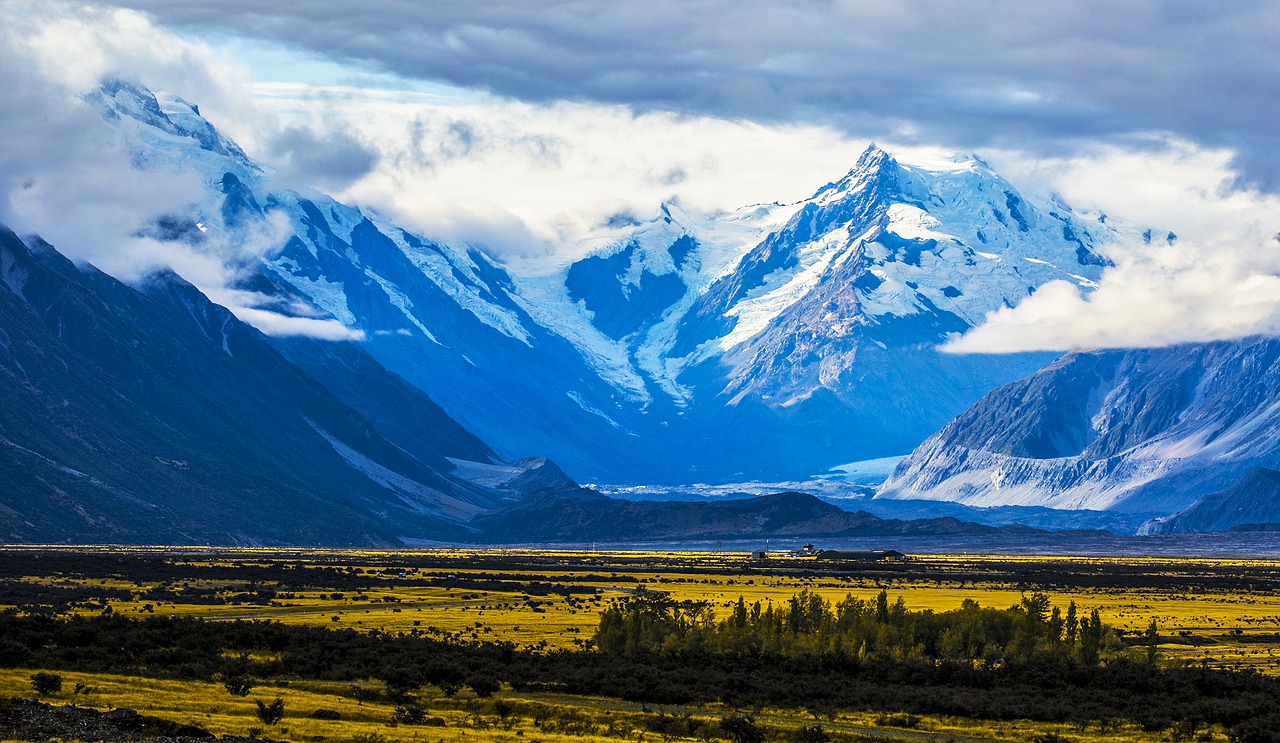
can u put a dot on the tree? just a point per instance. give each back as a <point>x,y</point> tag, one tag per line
<point>1092,632</point>
<point>810,734</point>
<point>238,686</point>
<point>410,714</point>
<point>1037,607</point>
<point>1053,629</point>
<point>46,683</point>
<point>1152,637</point>
<point>1072,624</point>
<point>504,710</point>
<point>739,617</point>
<point>483,686</point>
<point>400,681</point>
<point>742,729</point>
<point>270,714</point>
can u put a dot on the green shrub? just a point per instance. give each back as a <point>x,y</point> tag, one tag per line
<point>270,714</point>
<point>46,683</point>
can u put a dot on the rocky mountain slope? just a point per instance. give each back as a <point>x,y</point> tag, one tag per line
<point>151,415</point>
<point>1151,430</point>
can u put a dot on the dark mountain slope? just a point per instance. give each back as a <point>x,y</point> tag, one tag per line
<point>401,412</point>
<point>1253,501</point>
<point>157,416</point>
<point>584,519</point>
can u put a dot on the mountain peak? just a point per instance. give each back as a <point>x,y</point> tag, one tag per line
<point>874,167</point>
<point>873,158</point>
<point>119,100</point>
<point>117,97</point>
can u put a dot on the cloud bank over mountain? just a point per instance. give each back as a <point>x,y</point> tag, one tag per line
<point>552,119</point>
<point>959,74</point>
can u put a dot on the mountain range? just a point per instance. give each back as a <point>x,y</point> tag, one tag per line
<point>773,342</point>
<point>150,414</point>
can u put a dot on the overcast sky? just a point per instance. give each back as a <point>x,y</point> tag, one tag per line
<point>522,124</point>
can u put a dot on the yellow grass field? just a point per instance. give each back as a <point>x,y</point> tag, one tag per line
<point>1216,612</point>
<point>1223,629</point>
<point>544,718</point>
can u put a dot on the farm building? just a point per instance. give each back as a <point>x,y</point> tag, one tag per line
<point>862,555</point>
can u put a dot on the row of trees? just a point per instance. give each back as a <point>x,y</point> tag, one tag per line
<point>1049,685</point>
<point>653,622</point>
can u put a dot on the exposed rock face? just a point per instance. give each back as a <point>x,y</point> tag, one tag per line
<point>1141,431</point>
<point>1253,501</point>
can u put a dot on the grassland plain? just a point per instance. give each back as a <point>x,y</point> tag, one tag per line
<point>1225,613</point>
<point>1221,613</point>
<point>509,717</point>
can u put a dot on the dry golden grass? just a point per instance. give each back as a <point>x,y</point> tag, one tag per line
<point>1217,627</point>
<point>1222,629</point>
<point>538,718</point>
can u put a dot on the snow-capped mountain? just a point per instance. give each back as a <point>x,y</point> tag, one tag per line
<point>1145,431</point>
<point>805,335</point>
<point>447,319</point>
<point>775,341</point>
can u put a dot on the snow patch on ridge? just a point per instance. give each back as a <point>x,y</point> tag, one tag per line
<point>785,287</point>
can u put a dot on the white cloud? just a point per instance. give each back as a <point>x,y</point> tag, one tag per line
<point>1219,280</point>
<point>274,323</point>
<point>1156,296</point>
<point>526,181</point>
<point>63,173</point>
<point>69,177</point>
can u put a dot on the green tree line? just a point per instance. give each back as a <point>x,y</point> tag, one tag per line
<point>653,622</point>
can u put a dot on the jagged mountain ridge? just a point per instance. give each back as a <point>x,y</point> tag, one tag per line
<point>152,415</point>
<point>807,333</point>
<point>1148,430</point>
<point>772,342</point>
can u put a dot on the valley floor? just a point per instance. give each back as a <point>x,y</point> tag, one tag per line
<point>1215,613</point>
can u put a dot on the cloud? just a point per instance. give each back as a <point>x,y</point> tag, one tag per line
<point>526,182</point>
<point>65,175</point>
<point>68,176</point>
<point>964,74</point>
<point>1156,296</point>
<point>328,160</point>
<point>1219,280</point>
<point>274,323</point>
